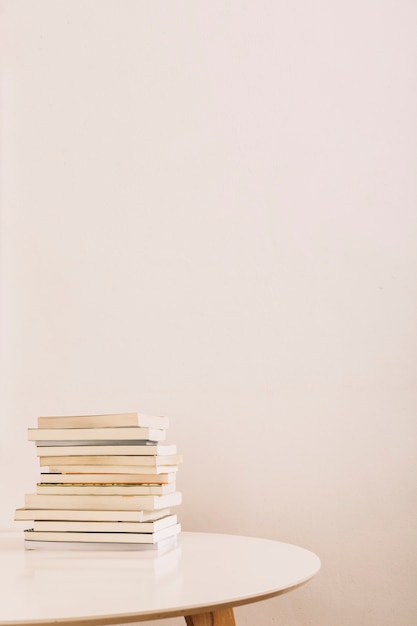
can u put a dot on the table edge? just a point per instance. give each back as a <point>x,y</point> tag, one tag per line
<point>129,618</point>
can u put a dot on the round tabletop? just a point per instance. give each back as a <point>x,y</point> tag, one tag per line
<point>203,572</point>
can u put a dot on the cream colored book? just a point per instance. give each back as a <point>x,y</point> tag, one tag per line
<point>116,469</point>
<point>102,503</point>
<point>105,490</point>
<point>79,515</point>
<point>104,450</point>
<point>128,433</point>
<point>149,461</point>
<point>109,420</point>
<point>106,478</point>
<point>105,527</point>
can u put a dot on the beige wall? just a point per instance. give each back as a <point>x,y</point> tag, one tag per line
<point>209,211</point>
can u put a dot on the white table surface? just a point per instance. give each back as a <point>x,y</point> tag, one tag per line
<point>205,572</point>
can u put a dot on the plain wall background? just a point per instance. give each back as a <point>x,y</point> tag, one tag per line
<point>208,211</point>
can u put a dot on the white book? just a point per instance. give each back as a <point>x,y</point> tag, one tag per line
<point>105,527</point>
<point>102,503</point>
<point>103,490</point>
<point>26,515</point>
<point>161,547</point>
<point>119,537</point>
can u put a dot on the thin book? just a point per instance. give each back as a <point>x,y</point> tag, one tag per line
<point>113,489</point>
<point>108,420</point>
<point>93,537</point>
<point>103,449</point>
<point>106,478</point>
<point>105,527</point>
<point>116,469</point>
<point>86,515</point>
<point>113,502</point>
<point>116,459</point>
<point>136,433</point>
<point>148,549</point>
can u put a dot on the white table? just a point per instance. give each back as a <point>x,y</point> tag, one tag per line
<point>202,579</point>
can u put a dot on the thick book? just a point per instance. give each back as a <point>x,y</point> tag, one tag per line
<point>159,548</point>
<point>106,478</point>
<point>85,515</point>
<point>115,469</point>
<point>119,537</point>
<point>105,527</point>
<point>127,433</point>
<point>103,449</point>
<point>91,503</point>
<point>116,459</point>
<point>109,420</point>
<point>104,490</point>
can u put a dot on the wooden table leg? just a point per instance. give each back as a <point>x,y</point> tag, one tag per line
<point>221,617</point>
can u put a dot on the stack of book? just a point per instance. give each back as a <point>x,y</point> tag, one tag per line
<point>106,482</point>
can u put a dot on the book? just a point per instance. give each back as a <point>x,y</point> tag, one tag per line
<point>103,490</point>
<point>116,469</point>
<point>62,443</point>
<point>104,421</point>
<point>102,448</point>
<point>86,515</point>
<point>150,461</point>
<point>106,478</point>
<point>113,502</point>
<point>159,548</point>
<point>127,433</point>
<point>94,537</point>
<point>105,527</point>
